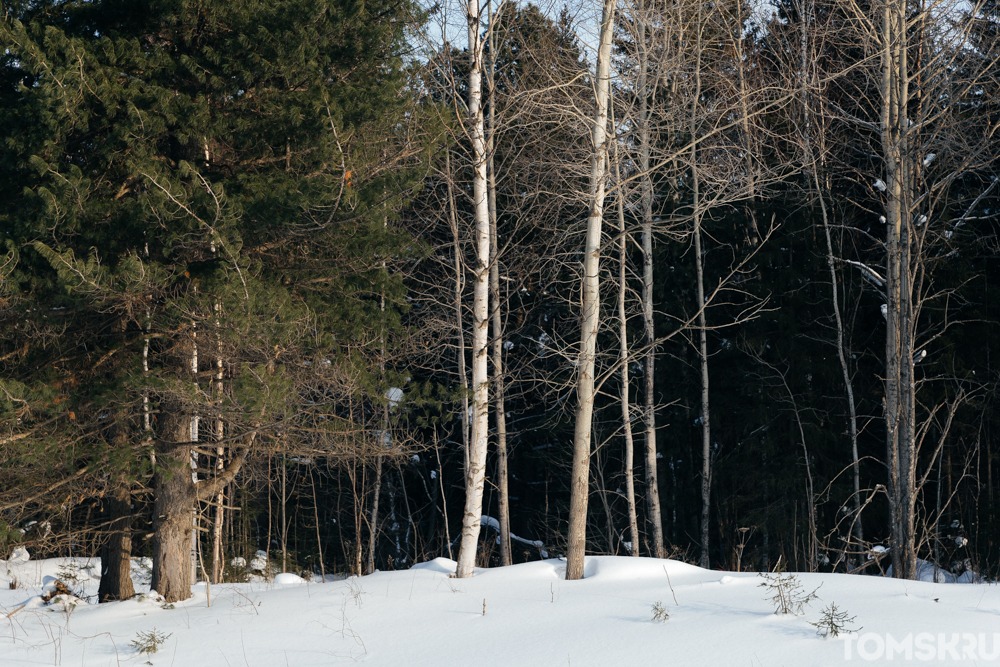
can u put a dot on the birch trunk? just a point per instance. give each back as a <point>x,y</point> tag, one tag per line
<point>706,422</point>
<point>624,359</point>
<point>701,320</point>
<point>655,517</point>
<point>475,473</point>
<point>193,435</point>
<point>220,452</point>
<point>590,306</point>
<point>373,517</point>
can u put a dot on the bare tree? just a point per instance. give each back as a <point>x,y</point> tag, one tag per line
<point>590,304</point>
<point>653,53</point>
<point>624,361</point>
<point>924,75</point>
<point>475,472</point>
<point>813,144</point>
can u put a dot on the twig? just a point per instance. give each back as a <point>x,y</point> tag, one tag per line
<point>17,609</point>
<point>671,586</point>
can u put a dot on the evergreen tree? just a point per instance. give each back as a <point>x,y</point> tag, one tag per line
<point>193,180</point>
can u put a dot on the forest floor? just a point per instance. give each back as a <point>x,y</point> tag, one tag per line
<point>636,611</point>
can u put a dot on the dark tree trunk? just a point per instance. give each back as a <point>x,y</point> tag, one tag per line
<point>175,496</point>
<point>116,553</point>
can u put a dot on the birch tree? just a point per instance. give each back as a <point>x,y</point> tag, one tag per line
<point>926,81</point>
<point>652,51</point>
<point>475,468</point>
<point>590,304</point>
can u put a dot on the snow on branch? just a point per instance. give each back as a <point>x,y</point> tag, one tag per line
<point>867,271</point>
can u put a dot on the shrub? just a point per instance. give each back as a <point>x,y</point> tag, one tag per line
<point>149,642</point>
<point>785,592</point>
<point>833,621</point>
<point>660,613</point>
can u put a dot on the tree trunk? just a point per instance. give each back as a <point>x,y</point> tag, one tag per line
<point>624,359</point>
<point>374,517</point>
<point>706,423</point>
<point>500,416</point>
<point>475,473</point>
<point>174,497</point>
<point>116,552</point>
<point>218,524</point>
<point>652,483</point>
<point>590,306</point>
<point>899,388</point>
<point>705,414</point>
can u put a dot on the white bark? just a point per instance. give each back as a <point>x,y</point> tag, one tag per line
<point>475,474</point>
<point>590,305</point>
<point>706,422</point>
<point>220,498</point>
<point>649,325</point>
<point>624,359</point>
<point>193,454</point>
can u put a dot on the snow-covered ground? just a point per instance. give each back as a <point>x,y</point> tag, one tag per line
<point>522,615</point>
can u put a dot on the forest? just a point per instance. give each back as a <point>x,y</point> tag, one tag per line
<point>334,286</point>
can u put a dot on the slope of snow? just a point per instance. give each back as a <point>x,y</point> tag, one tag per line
<point>521,615</point>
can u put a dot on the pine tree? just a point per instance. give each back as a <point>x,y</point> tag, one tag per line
<point>192,173</point>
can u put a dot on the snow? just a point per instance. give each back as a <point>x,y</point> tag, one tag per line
<point>927,572</point>
<point>394,395</point>
<point>521,615</point>
<point>259,562</point>
<point>544,341</point>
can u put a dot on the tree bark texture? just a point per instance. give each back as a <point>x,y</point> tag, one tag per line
<point>475,473</point>
<point>899,382</point>
<point>590,307</point>
<point>116,553</point>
